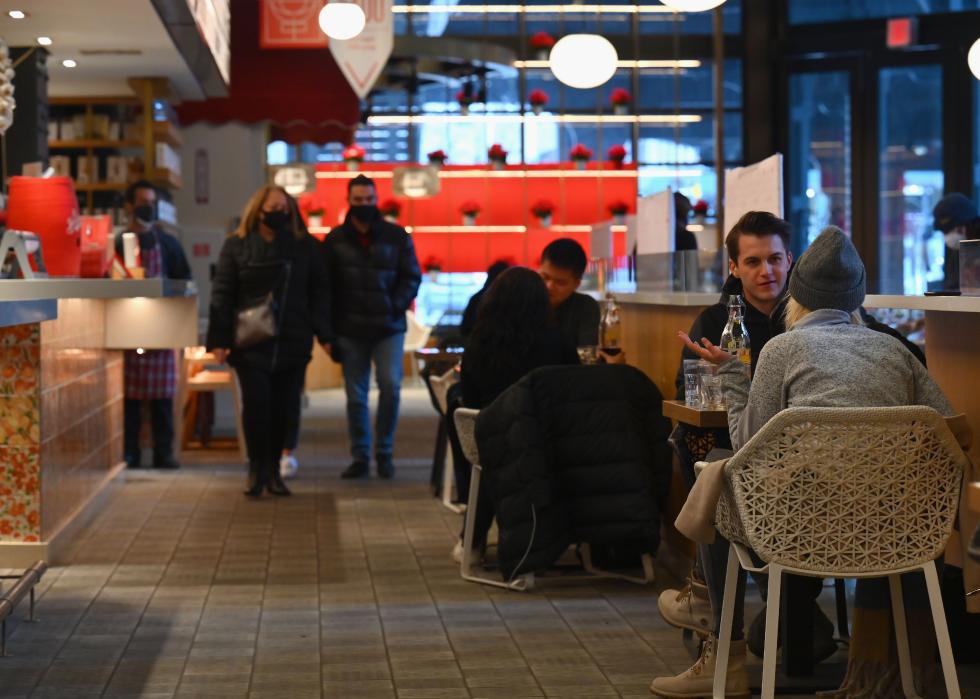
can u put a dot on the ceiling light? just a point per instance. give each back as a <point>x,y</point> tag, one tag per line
<point>342,20</point>
<point>683,63</point>
<point>583,60</point>
<point>973,59</point>
<point>17,14</point>
<point>692,5</point>
<point>69,63</point>
<point>44,40</point>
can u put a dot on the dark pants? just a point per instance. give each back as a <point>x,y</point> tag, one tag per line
<point>162,421</point>
<point>293,421</point>
<point>269,398</point>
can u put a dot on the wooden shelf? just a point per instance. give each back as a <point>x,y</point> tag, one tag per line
<point>86,143</point>
<point>166,132</point>
<point>166,178</point>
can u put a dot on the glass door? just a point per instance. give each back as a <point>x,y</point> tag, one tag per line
<point>910,177</point>
<point>818,162</point>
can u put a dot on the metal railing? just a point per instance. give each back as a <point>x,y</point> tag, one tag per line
<point>10,598</point>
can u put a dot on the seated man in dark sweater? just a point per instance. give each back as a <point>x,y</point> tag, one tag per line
<point>577,315</point>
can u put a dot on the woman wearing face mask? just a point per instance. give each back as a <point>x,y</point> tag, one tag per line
<point>270,253</point>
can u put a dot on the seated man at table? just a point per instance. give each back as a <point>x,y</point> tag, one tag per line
<point>563,263</point>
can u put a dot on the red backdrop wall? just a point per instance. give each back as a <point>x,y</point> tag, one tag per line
<point>505,199</point>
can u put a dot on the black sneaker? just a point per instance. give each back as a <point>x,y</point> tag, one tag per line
<point>386,468</point>
<point>166,462</point>
<point>358,469</point>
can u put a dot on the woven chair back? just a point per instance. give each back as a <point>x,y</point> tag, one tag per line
<point>466,429</point>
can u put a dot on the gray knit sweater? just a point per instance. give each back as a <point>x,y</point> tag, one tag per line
<point>825,361</point>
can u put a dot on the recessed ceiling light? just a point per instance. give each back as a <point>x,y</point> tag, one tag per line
<point>44,40</point>
<point>69,63</point>
<point>17,14</point>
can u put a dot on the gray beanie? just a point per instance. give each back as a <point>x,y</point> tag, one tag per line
<point>829,274</point>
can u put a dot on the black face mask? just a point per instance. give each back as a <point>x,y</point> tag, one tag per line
<point>365,213</point>
<point>276,220</point>
<point>145,213</point>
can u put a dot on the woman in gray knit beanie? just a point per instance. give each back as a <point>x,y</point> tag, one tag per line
<point>828,358</point>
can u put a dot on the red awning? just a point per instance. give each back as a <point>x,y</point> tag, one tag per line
<point>301,91</point>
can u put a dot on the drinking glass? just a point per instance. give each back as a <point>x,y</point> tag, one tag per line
<point>712,397</point>
<point>588,354</point>
<point>691,379</point>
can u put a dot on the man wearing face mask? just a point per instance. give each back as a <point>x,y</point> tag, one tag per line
<point>374,277</point>
<point>150,375</point>
<point>955,216</point>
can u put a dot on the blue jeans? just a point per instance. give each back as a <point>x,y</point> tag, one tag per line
<point>357,356</point>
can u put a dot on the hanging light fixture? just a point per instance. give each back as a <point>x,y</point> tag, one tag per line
<point>583,60</point>
<point>341,20</point>
<point>692,5</point>
<point>973,59</point>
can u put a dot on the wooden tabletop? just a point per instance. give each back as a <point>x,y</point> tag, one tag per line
<point>677,410</point>
<point>434,354</point>
<point>974,496</point>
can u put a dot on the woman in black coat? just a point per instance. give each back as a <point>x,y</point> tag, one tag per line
<point>269,253</point>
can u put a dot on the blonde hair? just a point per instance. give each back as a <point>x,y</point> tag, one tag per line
<point>796,311</point>
<point>250,214</point>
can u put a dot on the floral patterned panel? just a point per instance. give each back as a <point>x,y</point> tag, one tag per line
<point>20,433</point>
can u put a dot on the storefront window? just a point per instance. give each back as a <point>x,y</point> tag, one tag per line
<point>910,178</point>
<point>807,11</point>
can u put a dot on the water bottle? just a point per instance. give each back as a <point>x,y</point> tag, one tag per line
<point>735,336</point>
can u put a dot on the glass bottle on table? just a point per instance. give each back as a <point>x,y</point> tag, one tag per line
<point>610,330</point>
<point>735,336</point>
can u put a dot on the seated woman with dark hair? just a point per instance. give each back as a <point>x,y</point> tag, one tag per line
<point>514,334</point>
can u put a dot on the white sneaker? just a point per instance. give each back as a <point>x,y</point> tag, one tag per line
<point>458,551</point>
<point>288,466</point>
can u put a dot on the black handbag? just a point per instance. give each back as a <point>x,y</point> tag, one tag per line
<point>259,323</point>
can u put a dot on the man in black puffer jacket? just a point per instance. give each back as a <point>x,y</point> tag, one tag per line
<point>374,277</point>
<point>575,454</point>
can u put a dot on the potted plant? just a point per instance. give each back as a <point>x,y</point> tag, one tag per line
<point>353,155</point>
<point>538,99</point>
<point>432,265</point>
<point>497,156</point>
<point>314,217</point>
<point>616,155</point>
<point>541,43</point>
<point>465,100</point>
<point>619,209</point>
<point>437,158</point>
<point>390,209</point>
<point>580,155</point>
<point>544,210</point>
<point>620,100</point>
<point>700,209</point>
<point>469,209</point>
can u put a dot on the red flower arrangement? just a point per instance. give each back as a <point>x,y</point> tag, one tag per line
<point>538,97</point>
<point>616,153</point>
<point>542,41</point>
<point>620,97</point>
<point>618,207</point>
<point>580,152</point>
<point>469,208</point>
<point>464,99</point>
<point>542,208</point>
<point>353,152</point>
<point>438,156</point>
<point>497,152</point>
<point>432,264</point>
<point>701,208</point>
<point>390,207</point>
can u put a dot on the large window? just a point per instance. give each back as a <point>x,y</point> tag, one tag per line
<point>808,11</point>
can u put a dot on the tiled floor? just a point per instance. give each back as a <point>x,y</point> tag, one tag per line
<point>182,587</point>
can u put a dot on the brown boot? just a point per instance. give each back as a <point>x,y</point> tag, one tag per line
<point>697,681</point>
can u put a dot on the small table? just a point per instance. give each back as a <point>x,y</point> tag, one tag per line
<point>680,411</point>
<point>435,355</point>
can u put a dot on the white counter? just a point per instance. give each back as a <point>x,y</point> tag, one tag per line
<point>75,288</point>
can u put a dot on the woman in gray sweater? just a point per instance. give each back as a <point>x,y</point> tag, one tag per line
<point>828,358</point>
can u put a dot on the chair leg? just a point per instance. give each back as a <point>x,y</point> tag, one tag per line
<point>724,640</point>
<point>840,592</point>
<point>772,631</point>
<point>448,478</point>
<point>942,631</point>
<point>902,636</point>
<point>465,563</point>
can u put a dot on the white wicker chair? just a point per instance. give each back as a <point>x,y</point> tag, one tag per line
<point>440,389</point>
<point>466,429</point>
<point>842,492</point>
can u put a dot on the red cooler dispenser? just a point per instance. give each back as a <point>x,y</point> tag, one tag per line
<point>48,207</point>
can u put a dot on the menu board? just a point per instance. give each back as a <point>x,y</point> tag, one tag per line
<point>756,187</point>
<point>601,240</point>
<point>655,223</point>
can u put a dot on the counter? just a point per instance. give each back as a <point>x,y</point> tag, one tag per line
<point>61,397</point>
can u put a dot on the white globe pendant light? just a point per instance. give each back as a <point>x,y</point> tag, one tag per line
<point>341,20</point>
<point>692,5</point>
<point>583,60</point>
<point>973,59</point>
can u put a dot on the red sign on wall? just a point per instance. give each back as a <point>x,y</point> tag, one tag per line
<point>291,24</point>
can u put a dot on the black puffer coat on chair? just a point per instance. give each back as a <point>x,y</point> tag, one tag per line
<point>574,454</point>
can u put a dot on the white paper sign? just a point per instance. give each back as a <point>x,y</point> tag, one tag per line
<point>757,187</point>
<point>655,223</point>
<point>362,58</point>
<point>601,240</point>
